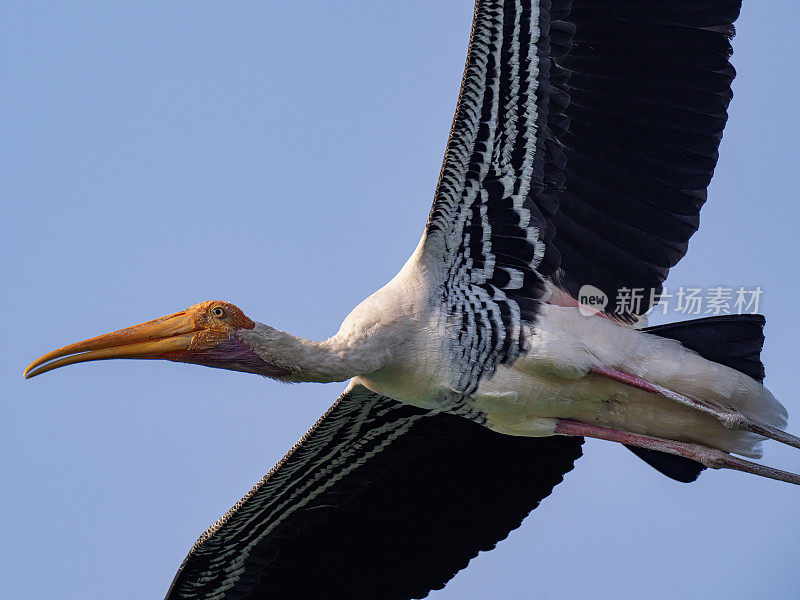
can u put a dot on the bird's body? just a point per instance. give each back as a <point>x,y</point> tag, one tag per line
<point>569,164</point>
<point>395,344</point>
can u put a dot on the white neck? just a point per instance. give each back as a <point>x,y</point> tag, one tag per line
<point>338,358</point>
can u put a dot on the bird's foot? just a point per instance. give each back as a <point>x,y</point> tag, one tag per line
<point>729,418</point>
<point>710,457</point>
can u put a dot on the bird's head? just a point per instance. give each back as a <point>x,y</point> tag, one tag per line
<point>205,334</point>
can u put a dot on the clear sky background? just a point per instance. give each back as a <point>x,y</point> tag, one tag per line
<point>283,156</point>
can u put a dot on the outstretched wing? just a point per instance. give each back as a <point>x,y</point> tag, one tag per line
<point>487,233</point>
<point>377,501</point>
<point>585,136</point>
<point>649,86</point>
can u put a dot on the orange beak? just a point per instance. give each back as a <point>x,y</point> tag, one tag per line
<point>155,339</point>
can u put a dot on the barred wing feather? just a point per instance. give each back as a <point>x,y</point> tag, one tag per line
<point>344,513</point>
<point>584,140</point>
<point>488,227</point>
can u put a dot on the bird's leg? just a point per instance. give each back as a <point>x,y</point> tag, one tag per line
<point>710,457</point>
<point>728,418</point>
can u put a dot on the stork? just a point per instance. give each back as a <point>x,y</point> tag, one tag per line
<point>584,139</point>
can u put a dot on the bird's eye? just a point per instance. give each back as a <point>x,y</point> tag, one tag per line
<point>218,312</point>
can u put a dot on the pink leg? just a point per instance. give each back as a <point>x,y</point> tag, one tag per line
<point>710,457</point>
<point>729,418</point>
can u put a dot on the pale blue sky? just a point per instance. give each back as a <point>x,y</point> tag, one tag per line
<point>283,156</point>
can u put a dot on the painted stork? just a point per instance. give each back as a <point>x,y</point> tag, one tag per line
<point>584,139</point>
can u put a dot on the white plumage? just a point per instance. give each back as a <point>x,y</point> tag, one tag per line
<point>392,343</point>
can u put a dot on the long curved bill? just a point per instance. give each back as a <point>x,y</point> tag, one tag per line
<point>154,339</point>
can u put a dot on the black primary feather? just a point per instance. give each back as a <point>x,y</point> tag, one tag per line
<point>649,84</point>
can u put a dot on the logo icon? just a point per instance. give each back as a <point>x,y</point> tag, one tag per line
<point>591,300</point>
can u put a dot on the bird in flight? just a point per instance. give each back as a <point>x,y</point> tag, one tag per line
<point>584,139</point>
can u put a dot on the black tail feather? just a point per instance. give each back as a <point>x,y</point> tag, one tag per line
<point>675,467</point>
<point>731,340</point>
